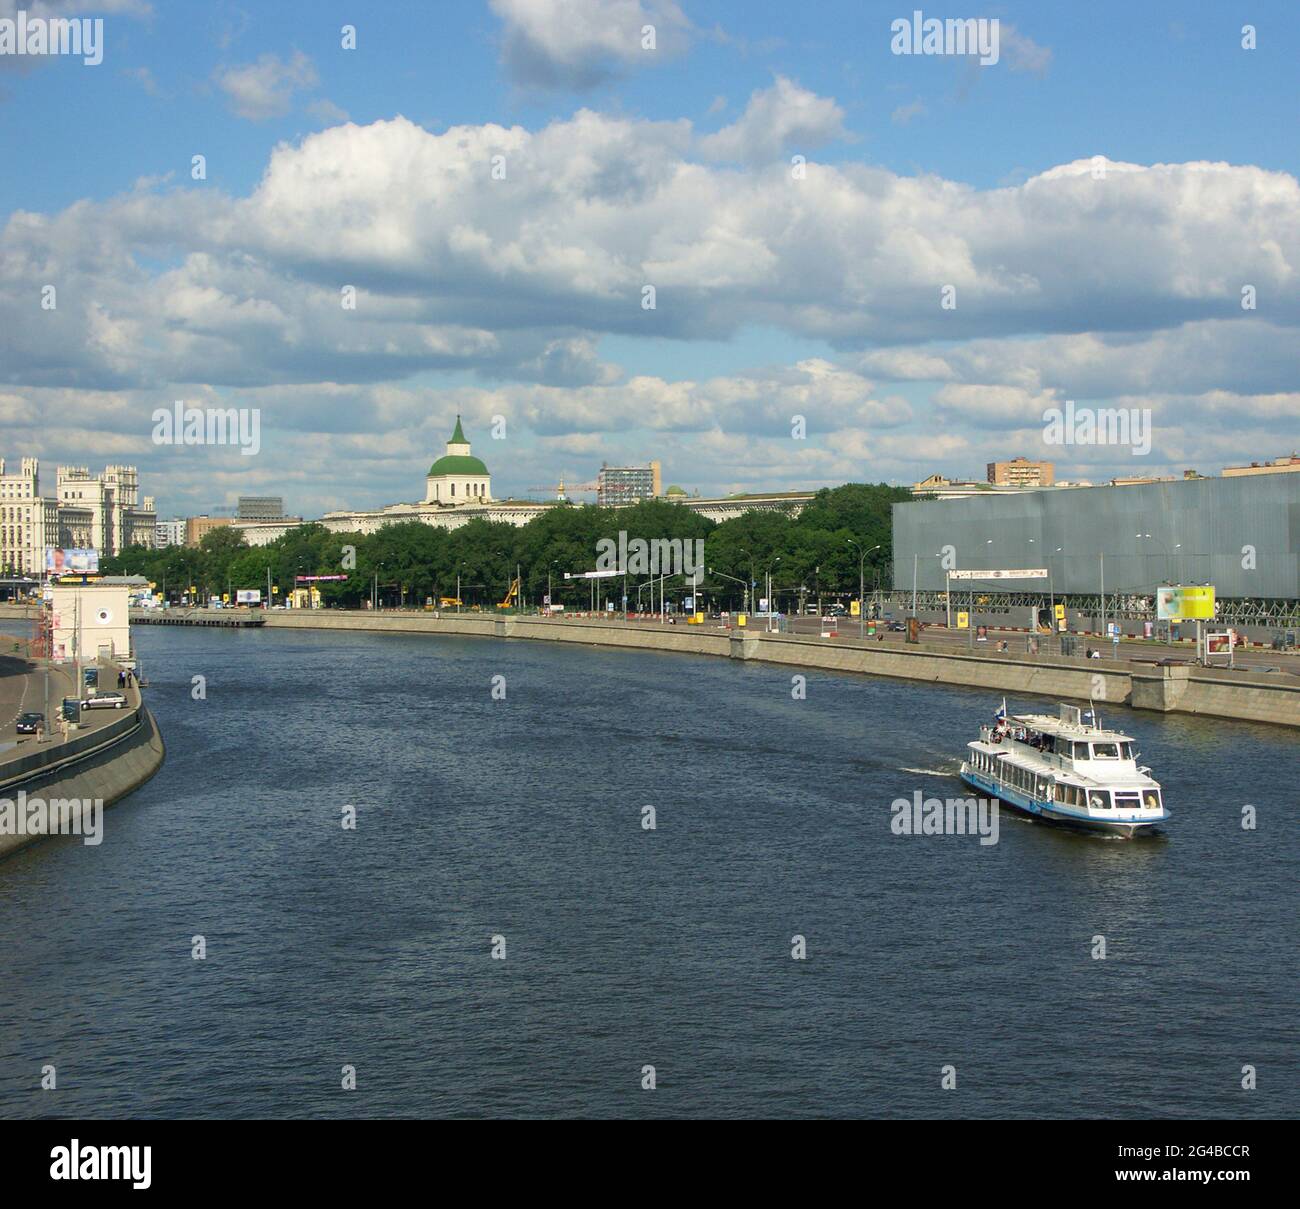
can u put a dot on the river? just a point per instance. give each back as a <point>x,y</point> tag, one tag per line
<point>518,814</point>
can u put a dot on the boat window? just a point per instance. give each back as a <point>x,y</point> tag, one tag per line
<point>1105,751</point>
<point>1099,799</point>
<point>1081,751</point>
<point>1063,747</point>
<point>1126,751</point>
<point>1151,799</point>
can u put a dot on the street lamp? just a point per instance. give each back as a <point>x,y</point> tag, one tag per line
<point>1165,550</point>
<point>1051,588</point>
<point>1170,561</point>
<point>753,578</point>
<point>771,567</point>
<point>734,579</point>
<point>862,584</point>
<point>550,601</point>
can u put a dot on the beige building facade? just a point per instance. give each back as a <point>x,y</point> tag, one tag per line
<point>1287,465</point>
<point>91,621</point>
<point>1021,472</point>
<point>104,511</point>
<point>28,521</point>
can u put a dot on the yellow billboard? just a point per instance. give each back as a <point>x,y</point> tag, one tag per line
<point>1184,604</point>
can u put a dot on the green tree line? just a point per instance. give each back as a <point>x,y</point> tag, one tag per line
<point>412,562</point>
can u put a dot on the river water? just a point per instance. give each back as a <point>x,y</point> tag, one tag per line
<point>522,818</point>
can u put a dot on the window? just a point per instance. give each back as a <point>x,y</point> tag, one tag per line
<point>1105,751</point>
<point>1099,799</point>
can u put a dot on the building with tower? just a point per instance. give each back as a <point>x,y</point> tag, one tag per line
<point>458,477</point>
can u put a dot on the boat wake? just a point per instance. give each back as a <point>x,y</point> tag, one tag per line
<point>927,772</point>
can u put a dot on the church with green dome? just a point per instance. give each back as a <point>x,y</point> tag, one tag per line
<point>457,477</point>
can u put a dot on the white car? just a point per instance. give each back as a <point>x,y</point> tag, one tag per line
<point>104,701</point>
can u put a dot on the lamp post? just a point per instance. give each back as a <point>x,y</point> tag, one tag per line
<point>1169,561</point>
<point>771,567</point>
<point>733,578</point>
<point>862,585</point>
<point>1101,562</point>
<point>753,580</point>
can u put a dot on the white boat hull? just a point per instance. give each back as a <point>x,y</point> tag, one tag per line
<point>1056,812</point>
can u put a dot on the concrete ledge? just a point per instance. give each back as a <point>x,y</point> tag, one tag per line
<point>108,773</point>
<point>1180,689</point>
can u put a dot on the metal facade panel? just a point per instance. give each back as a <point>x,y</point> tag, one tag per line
<point>1202,531</point>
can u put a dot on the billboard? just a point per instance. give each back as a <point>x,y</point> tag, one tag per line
<point>1027,573</point>
<point>248,596</point>
<point>60,561</point>
<point>1184,604</point>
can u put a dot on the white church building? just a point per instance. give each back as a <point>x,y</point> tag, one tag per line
<point>457,477</point>
<point>458,489</point>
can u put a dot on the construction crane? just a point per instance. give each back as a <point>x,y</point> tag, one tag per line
<point>562,492</point>
<point>512,596</point>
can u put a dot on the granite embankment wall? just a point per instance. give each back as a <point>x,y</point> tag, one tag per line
<point>105,764</point>
<point>1262,697</point>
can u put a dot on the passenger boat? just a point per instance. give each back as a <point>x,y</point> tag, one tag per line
<point>1069,770</point>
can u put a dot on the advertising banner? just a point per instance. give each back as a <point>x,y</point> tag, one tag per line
<point>61,561</point>
<point>248,596</point>
<point>1031,573</point>
<point>1184,604</point>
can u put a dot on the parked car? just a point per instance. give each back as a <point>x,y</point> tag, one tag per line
<point>837,610</point>
<point>896,627</point>
<point>29,723</point>
<point>104,701</point>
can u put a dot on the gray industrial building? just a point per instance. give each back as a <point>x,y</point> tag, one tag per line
<point>260,508</point>
<point>1240,534</point>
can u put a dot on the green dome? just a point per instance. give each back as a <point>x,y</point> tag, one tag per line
<point>458,463</point>
<point>675,490</point>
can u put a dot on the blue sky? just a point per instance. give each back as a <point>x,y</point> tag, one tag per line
<point>941,168</point>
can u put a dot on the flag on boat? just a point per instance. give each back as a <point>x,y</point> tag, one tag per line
<point>1001,715</point>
